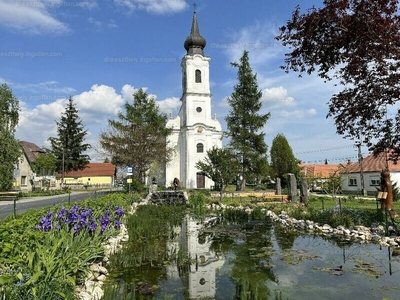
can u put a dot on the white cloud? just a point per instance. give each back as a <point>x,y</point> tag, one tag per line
<point>112,24</point>
<point>95,108</point>
<point>153,6</point>
<point>46,86</point>
<point>91,20</point>
<point>31,17</point>
<point>101,99</point>
<point>127,91</point>
<point>298,113</point>
<point>169,105</point>
<point>277,94</point>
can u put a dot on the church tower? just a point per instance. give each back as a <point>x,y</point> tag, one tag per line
<point>195,129</point>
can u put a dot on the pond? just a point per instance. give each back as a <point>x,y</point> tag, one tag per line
<point>233,256</point>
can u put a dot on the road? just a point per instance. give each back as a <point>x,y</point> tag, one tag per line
<point>23,204</point>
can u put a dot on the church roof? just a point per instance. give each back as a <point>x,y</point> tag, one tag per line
<point>195,43</point>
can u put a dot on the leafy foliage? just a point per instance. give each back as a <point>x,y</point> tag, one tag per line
<point>45,164</point>
<point>244,121</point>
<point>220,165</point>
<point>11,150</point>
<point>357,43</point>
<point>139,137</point>
<point>69,147</point>
<point>282,158</point>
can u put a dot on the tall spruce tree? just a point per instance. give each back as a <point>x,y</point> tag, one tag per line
<point>283,160</point>
<point>139,137</point>
<point>10,148</point>
<point>244,122</point>
<point>69,147</point>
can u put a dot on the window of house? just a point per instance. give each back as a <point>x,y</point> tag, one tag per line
<point>23,180</point>
<point>198,76</point>
<point>353,182</point>
<point>200,148</point>
<point>375,181</point>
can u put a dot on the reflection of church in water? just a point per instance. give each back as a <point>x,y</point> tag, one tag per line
<point>200,277</point>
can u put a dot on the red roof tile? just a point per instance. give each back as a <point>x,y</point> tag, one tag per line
<point>373,163</point>
<point>322,171</point>
<point>93,169</point>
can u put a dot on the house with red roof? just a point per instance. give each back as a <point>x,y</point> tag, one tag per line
<point>371,167</point>
<point>95,175</point>
<point>318,174</point>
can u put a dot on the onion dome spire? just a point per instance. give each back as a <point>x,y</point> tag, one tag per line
<point>195,43</point>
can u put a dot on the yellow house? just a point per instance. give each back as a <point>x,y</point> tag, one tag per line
<point>95,175</point>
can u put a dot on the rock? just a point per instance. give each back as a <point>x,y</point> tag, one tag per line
<point>103,270</point>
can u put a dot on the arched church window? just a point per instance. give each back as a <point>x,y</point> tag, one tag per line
<point>198,76</point>
<point>200,148</point>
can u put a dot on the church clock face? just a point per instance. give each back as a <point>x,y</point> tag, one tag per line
<point>199,109</point>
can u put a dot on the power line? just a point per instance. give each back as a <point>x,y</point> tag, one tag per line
<point>325,150</point>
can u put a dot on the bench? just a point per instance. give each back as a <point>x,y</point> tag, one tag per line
<point>264,197</point>
<point>8,196</point>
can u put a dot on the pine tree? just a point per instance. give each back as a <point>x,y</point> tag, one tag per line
<point>69,147</point>
<point>283,160</point>
<point>139,137</point>
<point>244,122</point>
<point>10,148</point>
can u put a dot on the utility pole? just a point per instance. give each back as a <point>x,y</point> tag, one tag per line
<point>360,159</point>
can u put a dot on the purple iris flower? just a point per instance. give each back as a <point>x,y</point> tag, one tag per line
<point>119,211</point>
<point>117,224</point>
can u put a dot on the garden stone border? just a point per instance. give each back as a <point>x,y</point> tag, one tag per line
<point>373,234</point>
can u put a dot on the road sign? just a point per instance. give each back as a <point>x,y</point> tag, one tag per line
<point>129,171</point>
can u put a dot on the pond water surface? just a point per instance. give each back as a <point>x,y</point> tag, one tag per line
<point>261,260</point>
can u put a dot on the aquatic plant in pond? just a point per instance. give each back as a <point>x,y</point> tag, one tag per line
<point>239,255</point>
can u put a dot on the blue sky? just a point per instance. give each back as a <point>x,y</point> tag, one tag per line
<point>100,52</point>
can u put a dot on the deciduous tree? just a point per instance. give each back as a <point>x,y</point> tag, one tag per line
<point>139,137</point>
<point>45,164</point>
<point>10,148</point>
<point>244,120</point>
<point>69,147</point>
<point>220,165</point>
<point>356,43</point>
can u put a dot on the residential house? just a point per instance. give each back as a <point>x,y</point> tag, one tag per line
<point>99,175</point>
<point>317,174</point>
<point>371,168</point>
<point>24,177</point>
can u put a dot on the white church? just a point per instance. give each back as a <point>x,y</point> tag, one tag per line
<point>195,130</point>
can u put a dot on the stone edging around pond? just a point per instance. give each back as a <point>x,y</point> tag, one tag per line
<point>374,234</point>
<point>92,289</point>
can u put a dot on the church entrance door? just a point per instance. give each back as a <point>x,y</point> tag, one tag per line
<point>200,180</point>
